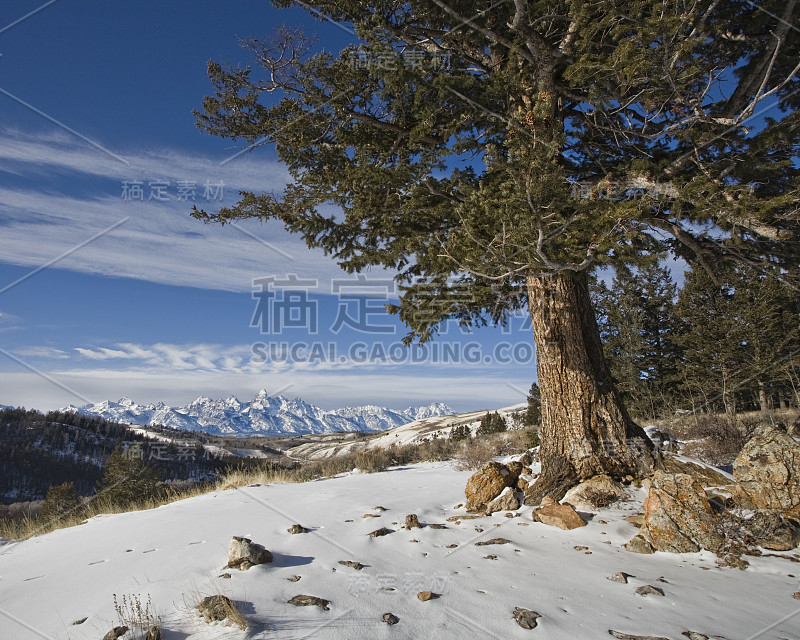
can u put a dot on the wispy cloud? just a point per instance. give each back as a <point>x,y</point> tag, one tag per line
<point>50,353</point>
<point>160,242</point>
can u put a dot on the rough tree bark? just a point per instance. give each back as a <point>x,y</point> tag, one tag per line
<point>586,430</point>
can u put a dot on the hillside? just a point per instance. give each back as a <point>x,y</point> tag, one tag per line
<point>175,555</point>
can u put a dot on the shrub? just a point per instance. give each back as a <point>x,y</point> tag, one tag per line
<point>61,502</point>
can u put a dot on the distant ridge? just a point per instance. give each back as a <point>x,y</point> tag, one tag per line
<point>264,415</point>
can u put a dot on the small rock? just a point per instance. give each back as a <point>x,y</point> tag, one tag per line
<point>352,563</point>
<point>427,595</point>
<point>628,636</point>
<point>297,528</point>
<point>380,508</point>
<point>459,505</point>
<point>81,621</point>
<point>526,618</point>
<point>371,515</point>
<point>693,635</point>
<point>437,526</point>
<point>412,522</point>
<point>491,556</point>
<point>580,547</point>
<point>243,553</point>
<point>483,543</point>
<point>115,633</point>
<point>226,576</point>
<point>638,544</point>
<point>451,546</point>
<point>506,501</point>
<point>383,531</point>
<point>602,522</point>
<point>219,608</point>
<point>648,590</point>
<point>294,579</point>
<point>562,516</point>
<point>390,618</point>
<point>620,576</point>
<point>796,595</point>
<point>310,601</point>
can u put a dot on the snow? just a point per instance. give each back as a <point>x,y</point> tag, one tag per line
<point>264,415</point>
<point>174,555</point>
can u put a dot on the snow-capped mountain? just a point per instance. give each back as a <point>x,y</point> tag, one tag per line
<point>263,415</point>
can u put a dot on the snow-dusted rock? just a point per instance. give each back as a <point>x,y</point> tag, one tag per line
<point>486,484</point>
<point>243,553</point>
<point>595,493</point>
<point>562,516</point>
<point>506,501</point>
<point>678,517</point>
<point>768,472</point>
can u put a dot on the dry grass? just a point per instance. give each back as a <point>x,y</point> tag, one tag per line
<point>469,454</point>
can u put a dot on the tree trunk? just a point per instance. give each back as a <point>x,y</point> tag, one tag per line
<point>762,396</point>
<point>586,430</point>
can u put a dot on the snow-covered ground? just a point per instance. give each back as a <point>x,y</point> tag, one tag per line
<point>174,555</point>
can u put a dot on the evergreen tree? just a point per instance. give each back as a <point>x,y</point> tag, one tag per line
<point>126,480</point>
<point>636,322</point>
<point>533,414</point>
<point>61,502</point>
<point>460,433</point>
<point>562,136</point>
<point>491,423</point>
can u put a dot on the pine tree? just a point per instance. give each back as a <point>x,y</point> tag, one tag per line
<point>126,480</point>
<point>533,414</point>
<point>60,502</point>
<point>561,137</point>
<point>491,423</point>
<point>637,326</point>
<point>460,433</point>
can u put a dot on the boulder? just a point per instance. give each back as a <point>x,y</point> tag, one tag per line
<point>297,528</point>
<point>412,521</point>
<point>506,501</point>
<point>768,472</point>
<point>595,493</point>
<point>243,553</point>
<point>562,516</point>
<point>115,633</point>
<point>486,484</point>
<point>770,530</point>
<point>678,517</point>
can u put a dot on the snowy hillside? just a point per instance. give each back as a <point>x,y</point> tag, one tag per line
<point>175,555</point>
<point>264,415</point>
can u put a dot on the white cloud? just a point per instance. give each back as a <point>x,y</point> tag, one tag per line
<point>327,390</point>
<point>159,242</point>
<point>50,353</point>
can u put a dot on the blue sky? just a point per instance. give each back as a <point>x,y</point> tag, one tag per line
<point>99,162</point>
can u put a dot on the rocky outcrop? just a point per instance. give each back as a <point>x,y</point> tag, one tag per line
<point>678,517</point>
<point>562,516</point>
<point>595,493</point>
<point>243,553</point>
<point>506,501</point>
<point>707,476</point>
<point>486,484</point>
<point>770,530</point>
<point>768,473</point>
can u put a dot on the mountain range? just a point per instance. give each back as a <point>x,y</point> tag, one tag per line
<point>264,415</point>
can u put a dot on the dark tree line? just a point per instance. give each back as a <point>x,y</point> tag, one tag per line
<point>38,451</point>
<point>731,345</point>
